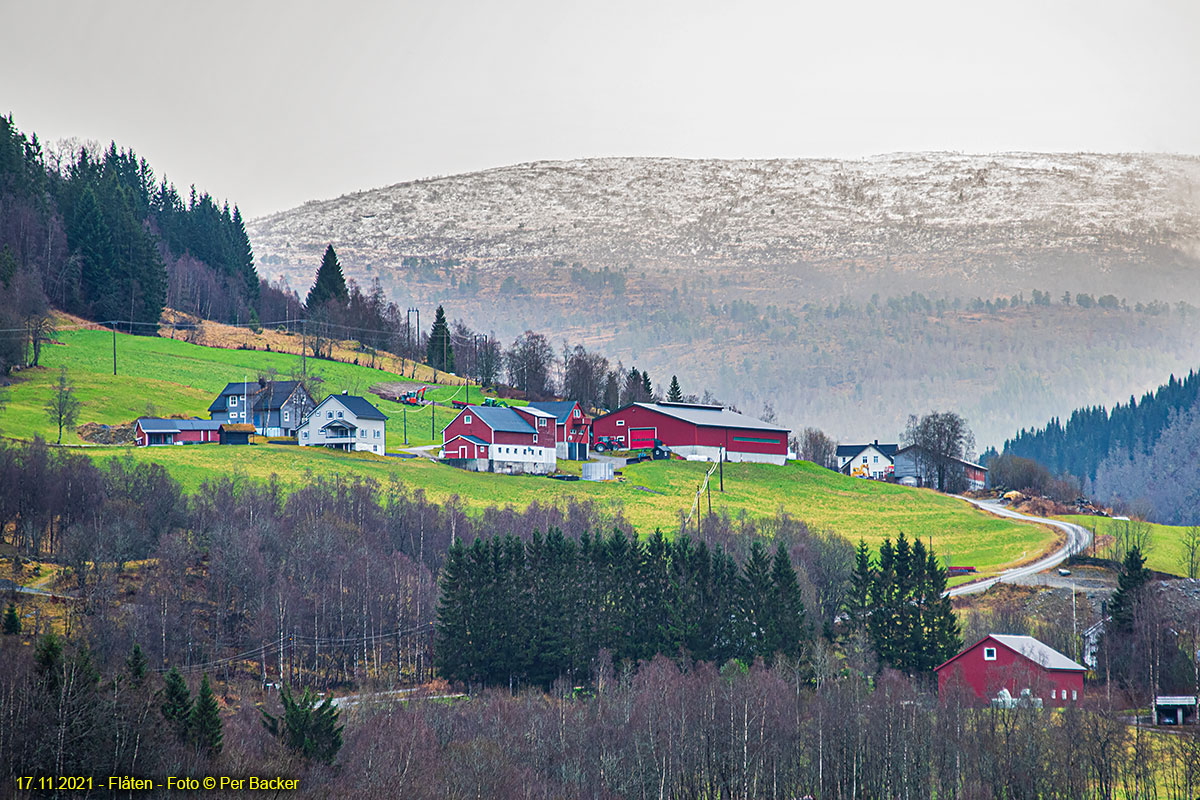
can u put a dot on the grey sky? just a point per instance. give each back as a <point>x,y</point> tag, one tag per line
<point>272,104</point>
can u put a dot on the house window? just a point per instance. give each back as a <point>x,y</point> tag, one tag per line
<point>576,413</point>
<point>285,416</point>
<point>542,422</point>
<point>232,400</point>
<point>535,438</point>
<point>875,459</point>
<point>1052,695</point>
<point>864,459</point>
<point>328,415</point>
<point>374,448</point>
<point>339,415</point>
<point>467,419</point>
<point>1074,694</point>
<point>376,433</point>
<point>306,434</point>
<point>989,654</point>
<point>620,423</point>
<point>362,433</point>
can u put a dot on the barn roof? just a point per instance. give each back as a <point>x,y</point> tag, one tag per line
<point>709,416</point>
<point>501,419</point>
<point>469,438</point>
<point>1038,652</point>
<point>534,411</point>
<point>196,424</point>
<point>561,409</point>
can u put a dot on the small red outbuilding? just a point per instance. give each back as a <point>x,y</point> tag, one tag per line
<point>1001,661</point>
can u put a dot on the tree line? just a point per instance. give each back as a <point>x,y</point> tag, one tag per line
<point>513,613</point>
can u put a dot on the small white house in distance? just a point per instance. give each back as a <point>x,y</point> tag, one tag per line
<point>344,422</point>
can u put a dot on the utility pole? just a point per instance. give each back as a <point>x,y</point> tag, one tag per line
<point>722,468</point>
<point>404,411</point>
<point>304,351</point>
<point>114,330</point>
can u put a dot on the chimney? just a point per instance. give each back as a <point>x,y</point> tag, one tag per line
<point>876,442</point>
<point>345,391</point>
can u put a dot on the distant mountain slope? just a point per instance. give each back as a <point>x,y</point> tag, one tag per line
<point>840,292</point>
<point>1008,216</point>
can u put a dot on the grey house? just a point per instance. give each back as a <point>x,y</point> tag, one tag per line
<point>274,408</point>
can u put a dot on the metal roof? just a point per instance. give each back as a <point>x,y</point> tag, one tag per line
<point>197,424</point>
<point>536,412</point>
<point>959,460</point>
<point>501,419</point>
<point>710,416</point>
<point>851,450</point>
<point>561,409</point>
<point>1037,651</point>
<point>274,394</point>
<point>339,423</point>
<point>358,406</point>
<point>469,438</point>
<point>156,425</point>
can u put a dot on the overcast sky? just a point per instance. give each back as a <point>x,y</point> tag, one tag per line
<point>270,104</point>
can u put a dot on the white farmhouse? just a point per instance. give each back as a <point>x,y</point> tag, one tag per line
<point>344,422</point>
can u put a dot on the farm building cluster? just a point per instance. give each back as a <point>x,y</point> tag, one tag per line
<point>281,409</point>
<point>532,438</point>
<point>906,465</point>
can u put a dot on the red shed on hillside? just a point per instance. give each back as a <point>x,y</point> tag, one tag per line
<point>696,431</point>
<point>1000,661</point>
<point>149,431</point>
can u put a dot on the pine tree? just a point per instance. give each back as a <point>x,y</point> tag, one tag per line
<point>756,602</point>
<point>204,723</point>
<point>177,703</point>
<point>675,394</point>
<point>330,284</point>
<point>306,727</point>
<point>647,387</point>
<point>90,237</point>
<point>942,638</point>
<point>454,654</point>
<point>439,352</point>
<point>1133,577</point>
<point>883,619</point>
<point>244,256</point>
<point>135,665</point>
<point>12,621</point>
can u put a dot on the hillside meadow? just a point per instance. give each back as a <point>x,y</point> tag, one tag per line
<point>650,495</point>
<point>1166,551</point>
<point>170,377</point>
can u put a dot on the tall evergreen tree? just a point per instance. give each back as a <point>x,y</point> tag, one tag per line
<point>330,284</point>
<point>439,352</point>
<point>675,393</point>
<point>1134,576</point>
<point>789,628</point>
<point>454,652</point>
<point>135,665</point>
<point>177,703</point>
<point>244,256</point>
<point>12,621</point>
<point>938,622</point>
<point>647,386</point>
<point>89,236</point>
<point>204,722</point>
<point>756,601</point>
<point>858,599</point>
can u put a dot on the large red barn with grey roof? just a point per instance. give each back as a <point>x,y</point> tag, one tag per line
<point>693,430</point>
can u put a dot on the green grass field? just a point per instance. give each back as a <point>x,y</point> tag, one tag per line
<point>164,376</point>
<point>651,496</point>
<point>158,376</point>
<point>1166,541</point>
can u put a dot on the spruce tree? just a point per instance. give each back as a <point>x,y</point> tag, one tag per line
<point>858,599</point>
<point>647,387</point>
<point>942,638</point>
<point>454,654</point>
<point>1133,577</point>
<point>135,665</point>
<point>204,723</point>
<point>789,627</point>
<point>12,621</point>
<point>177,703</point>
<point>89,236</point>
<point>439,352</point>
<point>244,257</point>
<point>756,602</point>
<point>306,727</point>
<point>675,393</point>
<point>330,284</point>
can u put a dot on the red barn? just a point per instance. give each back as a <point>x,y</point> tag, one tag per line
<point>696,431</point>
<point>999,661</point>
<point>572,429</point>
<point>491,439</point>
<point>155,431</point>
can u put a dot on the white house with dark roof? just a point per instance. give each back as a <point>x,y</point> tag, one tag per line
<point>344,422</point>
<point>872,460</point>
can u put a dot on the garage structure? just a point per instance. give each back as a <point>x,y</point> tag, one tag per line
<point>695,431</point>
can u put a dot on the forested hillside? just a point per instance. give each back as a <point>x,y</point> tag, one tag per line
<point>94,232</point>
<point>846,294</point>
<point>1140,455</point>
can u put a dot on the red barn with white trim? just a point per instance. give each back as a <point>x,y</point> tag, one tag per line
<point>491,439</point>
<point>149,431</point>
<point>696,431</point>
<point>1000,661</point>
